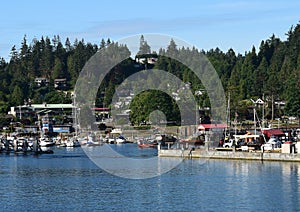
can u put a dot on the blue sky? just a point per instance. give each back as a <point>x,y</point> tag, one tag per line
<point>205,24</point>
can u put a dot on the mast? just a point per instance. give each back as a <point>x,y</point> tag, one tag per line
<point>75,115</point>
<point>235,123</point>
<point>228,114</point>
<point>272,107</point>
<point>263,111</point>
<point>260,127</point>
<point>254,119</point>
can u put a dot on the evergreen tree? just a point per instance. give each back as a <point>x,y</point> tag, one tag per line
<point>68,45</point>
<point>144,47</point>
<point>102,44</point>
<point>17,96</point>
<point>57,69</point>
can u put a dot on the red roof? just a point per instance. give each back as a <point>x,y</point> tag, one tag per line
<point>212,126</point>
<point>101,109</point>
<point>274,132</point>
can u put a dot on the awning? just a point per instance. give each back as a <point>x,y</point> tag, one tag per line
<point>274,132</point>
<point>212,126</point>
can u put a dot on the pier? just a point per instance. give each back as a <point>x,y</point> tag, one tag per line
<point>230,154</point>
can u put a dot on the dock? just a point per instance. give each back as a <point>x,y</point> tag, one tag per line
<point>230,155</point>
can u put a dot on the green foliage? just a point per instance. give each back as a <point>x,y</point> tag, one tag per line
<point>17,96</point>
<point>41,58</point>
<point>293,98</point>
<point>55,97</point>
<point>272,70</point>
<point>153,100</point>
<point>144,47</point>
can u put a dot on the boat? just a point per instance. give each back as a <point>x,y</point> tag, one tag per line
<point>110,140</point>
<point>120,140</point>
<point>91,141</point>
<point>144,143</point>
<point>115,137</point>
<point>72,143</point>
<point>46,142</point>
<point>116,131</point>
<point>46,150</point>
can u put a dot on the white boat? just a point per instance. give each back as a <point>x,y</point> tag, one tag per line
<point>110,140</point>
<point>120,140</point>
<point>92,143</point>
<point>72,143</point>
<point>116,131</point>
<point>46,142</point>
<point>115,136</point>
<point>91,140</point>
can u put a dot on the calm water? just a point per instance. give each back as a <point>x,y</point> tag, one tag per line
<point>68,180</point>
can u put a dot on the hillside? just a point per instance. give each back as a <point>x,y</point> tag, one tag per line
<point>272,72</point>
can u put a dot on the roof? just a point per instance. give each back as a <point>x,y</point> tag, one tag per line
<point>274,132</point>
<point>41,78</point>
<point>60,80</point>
<point>52,106</point>
<point>212,126</point>
<point>246,136</point>
<point>101,109</point>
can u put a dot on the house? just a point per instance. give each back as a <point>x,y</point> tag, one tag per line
<point>280,104</point>
<point>60,84</point>
<point>258,102</point>
<point>149,58</point>
<point>41,81</point>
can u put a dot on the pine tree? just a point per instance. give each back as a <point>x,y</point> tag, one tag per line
<point>68,45</point>
<point>17,96</point>
<point>102,44</point>
<point>144,47</point>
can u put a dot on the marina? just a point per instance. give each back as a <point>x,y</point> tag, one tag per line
<point>156,106</point>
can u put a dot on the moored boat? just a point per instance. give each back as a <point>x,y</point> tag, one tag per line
<point>46,142</point>
<point>120,140</point>
<point>144,143</point>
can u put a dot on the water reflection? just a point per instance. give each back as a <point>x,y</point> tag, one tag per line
<point>70,181</point>
<point>135,167</point>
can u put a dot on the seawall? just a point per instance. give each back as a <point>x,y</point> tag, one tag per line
<point>230,155</point>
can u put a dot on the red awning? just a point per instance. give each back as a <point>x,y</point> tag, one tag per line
<point>100,109</point>
<point>212,126</point>
<point>274,132</point>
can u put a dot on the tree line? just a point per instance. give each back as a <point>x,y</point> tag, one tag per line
<point>272,71</point>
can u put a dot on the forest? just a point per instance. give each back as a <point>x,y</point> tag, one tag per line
<point>271,72</point>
